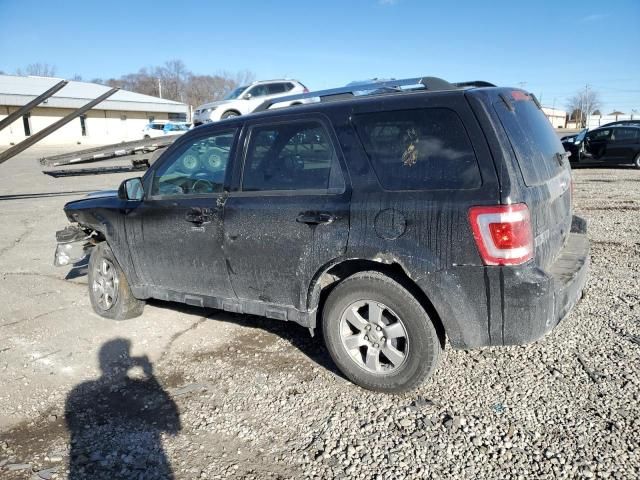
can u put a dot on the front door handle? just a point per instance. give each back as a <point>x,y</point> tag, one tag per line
<point>199,215</point>
<point>315,218</point>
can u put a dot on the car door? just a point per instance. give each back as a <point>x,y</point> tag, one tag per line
<point>289,214</point>
<point>623,145</point>
<point>596,143</point>
<point>258,95</point>
<point>175,235</point>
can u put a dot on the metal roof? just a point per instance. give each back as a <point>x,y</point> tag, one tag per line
<point>17,91</point>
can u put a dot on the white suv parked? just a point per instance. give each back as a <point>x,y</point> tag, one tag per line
<point>247,98</point>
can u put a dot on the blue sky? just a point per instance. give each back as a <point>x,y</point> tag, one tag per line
<point>551,48</point>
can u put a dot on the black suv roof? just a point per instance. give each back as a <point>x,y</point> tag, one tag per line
<point>622,123</point>
<point>387,87</point>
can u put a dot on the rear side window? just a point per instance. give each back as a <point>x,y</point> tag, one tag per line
<point>291,156</point>
<point>532,138</point>
<point>421,149</point>
<point>623,134</point>
<point>276,88</point>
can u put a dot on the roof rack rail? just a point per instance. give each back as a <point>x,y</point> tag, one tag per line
<point>342,93</point>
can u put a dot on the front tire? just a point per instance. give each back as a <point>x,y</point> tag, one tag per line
<point>229,114</point>
<point>378,334</point>
<point>636,162</point>
<point>109,290</point>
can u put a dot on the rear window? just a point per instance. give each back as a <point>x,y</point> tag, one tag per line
<point>532,138</point>
<point>419,149</point>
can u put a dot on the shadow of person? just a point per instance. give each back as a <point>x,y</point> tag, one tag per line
<point>116,422</point>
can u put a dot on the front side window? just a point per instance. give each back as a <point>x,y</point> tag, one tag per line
<point>599,134</point>
<point>259,91</point>
<point>291,156</point>
<point>421,149</point>
<point>198,167</point>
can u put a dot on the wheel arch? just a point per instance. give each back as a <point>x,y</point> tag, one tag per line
<point>230,110</point>
<point>330,276</point>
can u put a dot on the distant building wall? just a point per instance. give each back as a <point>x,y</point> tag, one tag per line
<point>595,121</point>
<point>101,126</point>
<point>558,118</point>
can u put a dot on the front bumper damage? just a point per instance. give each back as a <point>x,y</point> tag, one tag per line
<point>74,245</point>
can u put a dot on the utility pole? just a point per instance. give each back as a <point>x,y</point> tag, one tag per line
<point>587,105</point>
<point>160,88</point>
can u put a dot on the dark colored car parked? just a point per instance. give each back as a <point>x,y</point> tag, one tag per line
<point>395,221</point>
<point>607,145</point>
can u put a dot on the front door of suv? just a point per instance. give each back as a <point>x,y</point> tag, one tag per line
<point>289,215</point>
<point>175,234</point>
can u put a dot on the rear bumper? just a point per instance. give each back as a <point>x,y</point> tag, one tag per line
<point>535,301</point>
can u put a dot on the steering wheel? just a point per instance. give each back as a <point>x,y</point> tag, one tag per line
<point>202,185</point>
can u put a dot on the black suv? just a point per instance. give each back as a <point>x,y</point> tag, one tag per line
<point>393,220</point>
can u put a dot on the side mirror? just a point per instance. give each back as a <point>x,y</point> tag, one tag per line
<point>247,96</point>
<point>131,189</point>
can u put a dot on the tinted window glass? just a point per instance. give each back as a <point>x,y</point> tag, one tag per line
<point>259,91</point>
<point>623,134</point>
<point>157,126</point>
<point>420,149</point>
<point>599,134</point>
<point>291,156</point>
<point>532,138</point>
<point>198,167</point>
<point>276,88</point>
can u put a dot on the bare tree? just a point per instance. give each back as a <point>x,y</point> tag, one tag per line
<point>38,69</point>
<point>583,104</point>
<point>174,81</point>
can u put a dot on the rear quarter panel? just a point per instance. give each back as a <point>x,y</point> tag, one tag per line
<point>426,232</point>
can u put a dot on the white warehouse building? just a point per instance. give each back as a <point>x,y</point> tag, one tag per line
<point>120,117</point>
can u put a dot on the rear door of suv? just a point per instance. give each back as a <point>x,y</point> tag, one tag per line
<point>624,145</point>
<point>545,170</point>
<point>288,212</point>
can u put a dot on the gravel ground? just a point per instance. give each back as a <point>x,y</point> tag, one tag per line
<point>217,395</point>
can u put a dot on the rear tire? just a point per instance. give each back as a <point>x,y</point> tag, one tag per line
<point>378,334</point>
<point>636,162</point>
<point>109,290</point>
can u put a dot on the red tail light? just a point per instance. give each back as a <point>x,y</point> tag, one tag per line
<point>503,233</point>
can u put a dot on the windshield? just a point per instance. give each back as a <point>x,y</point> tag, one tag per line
<point>581,135</point>
<point>236,93</point>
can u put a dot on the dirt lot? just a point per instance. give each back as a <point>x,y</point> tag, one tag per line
<point>198,393</point>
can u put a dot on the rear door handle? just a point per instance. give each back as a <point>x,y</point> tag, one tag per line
<point>315,218</point>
